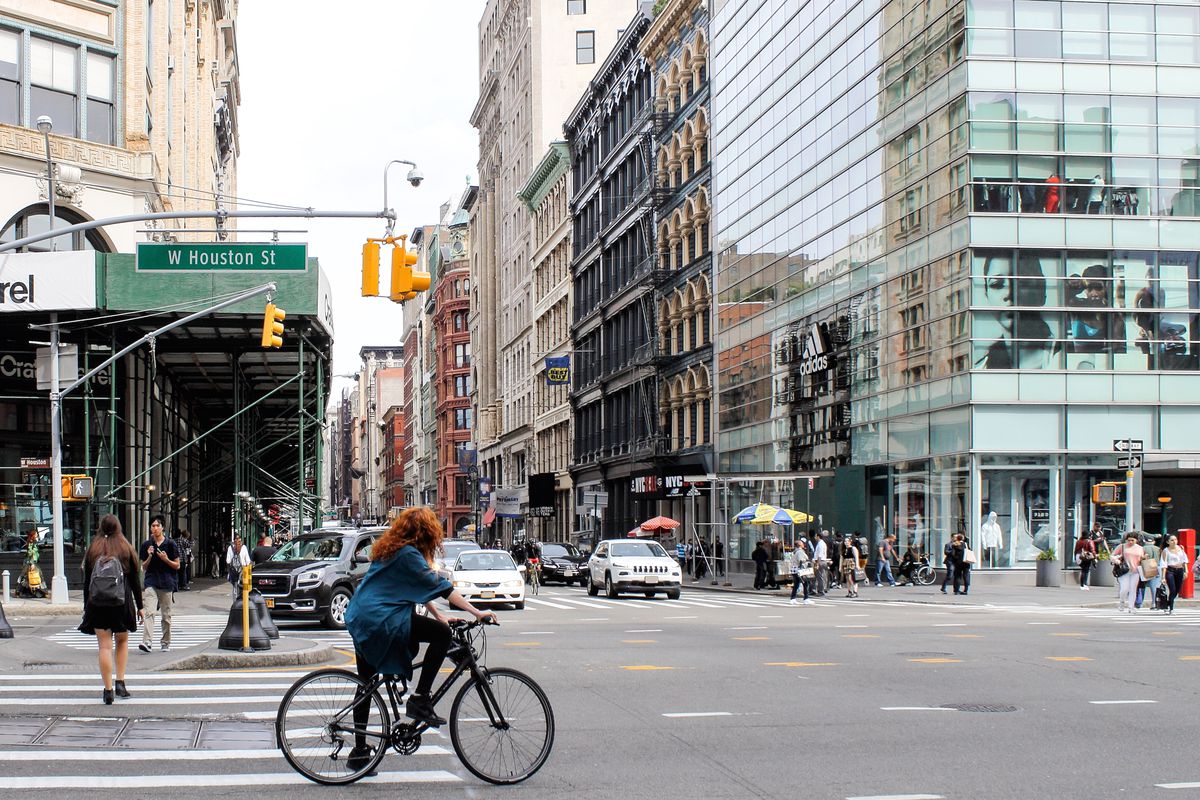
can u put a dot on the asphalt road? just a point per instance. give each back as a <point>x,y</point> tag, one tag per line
<point>717,696</point>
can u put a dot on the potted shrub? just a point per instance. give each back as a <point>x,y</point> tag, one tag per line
<point>1049,573</point>
<point>1102,569</point>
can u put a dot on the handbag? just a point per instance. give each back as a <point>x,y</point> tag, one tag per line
<point>968,555</point>
<point>1149,568</point>
<point>804,572</point>
<point>1119,568</point>
<point>860,575</point>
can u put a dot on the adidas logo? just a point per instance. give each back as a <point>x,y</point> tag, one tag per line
<point>815,357</point>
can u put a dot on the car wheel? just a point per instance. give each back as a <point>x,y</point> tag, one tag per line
<point>519,606</point>
<point>591,587</point>
<point>583,581</point>
<point>610,591</point>
<point>339,601</point>
<point>673,594</point>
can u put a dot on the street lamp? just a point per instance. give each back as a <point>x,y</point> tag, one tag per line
<point>45,125</point>
<point>1164,500</point>
<point>415,176</point>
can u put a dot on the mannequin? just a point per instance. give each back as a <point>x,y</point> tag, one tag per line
<point>991,537</point>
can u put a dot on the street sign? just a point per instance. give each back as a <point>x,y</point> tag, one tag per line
<point>595,499</point>
<point>1128,445</point>
<point>1129,462</point>
<point>210,257</point>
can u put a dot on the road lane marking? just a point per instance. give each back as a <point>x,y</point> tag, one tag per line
<point>936,660</point>
<point>770,616</point>
<point>949,624</point>
<point>897,797</point>
<point>585,603</point>
<point>157,701</point>
<point>686,714</point>
<point>1068,634</point>
<point>645,630</point>
<point>690,616</point>
<point>173,755</point>
<point>1166,633</point>
<point>87,687</point>
<point>964,635</point>
<point>1120,702</point>
<point>534,633</point>
<point>1191,785</point>
<point>212,780</point>
<point>645,668</point>
<point>1042,623</point>
<point>856,615</point>
<point>916,708</point>
<point>860,635</point>
<point>748,628</point>
<point>133,680</point>
<point>592,619</point>
<point>851,626</point>
<point>521,644</point>
<point>1189,658</point>
<point>801,664</point>
<point>750,638</point>
<point>540,602</point>
<point>639,641</point>
<point>1067,658</point>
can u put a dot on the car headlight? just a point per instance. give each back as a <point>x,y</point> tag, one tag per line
<point>462,584</point>
<point>512,584</point>
<point>310,578</point>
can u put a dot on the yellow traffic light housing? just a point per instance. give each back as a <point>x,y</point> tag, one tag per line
<point>272,331</point>
<point>370,269</point>
<point>402,273</point>
<point>76,488</point>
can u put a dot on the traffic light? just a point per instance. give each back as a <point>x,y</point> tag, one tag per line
<point>370,269</point>
<point>402,273</point>
<point>76,487</point>
<point>272,331</point>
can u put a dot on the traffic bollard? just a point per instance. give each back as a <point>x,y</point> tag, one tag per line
<point>4,588</point>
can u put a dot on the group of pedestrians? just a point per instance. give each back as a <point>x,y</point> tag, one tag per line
<point>958,558</point>
<point>696,558</point>
<point>817,563</point>
<point>1140,567</point>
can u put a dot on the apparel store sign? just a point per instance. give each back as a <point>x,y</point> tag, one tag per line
<point>815,356</point>
<point>47,281</point>
<point>507,502</point>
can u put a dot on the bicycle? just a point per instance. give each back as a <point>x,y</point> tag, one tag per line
<point>534,571</point>
<point>501,723</point>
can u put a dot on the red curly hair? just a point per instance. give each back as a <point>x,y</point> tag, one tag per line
<point>416,526</point>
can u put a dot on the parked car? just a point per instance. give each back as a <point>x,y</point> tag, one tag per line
<point>451,550</point>
<point>487,577</point>
<point>633,565</point>
<point>563,562</point>
<point>315,574</point>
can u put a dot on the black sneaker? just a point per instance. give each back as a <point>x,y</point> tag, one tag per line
<point>419,708</point>
<point>145,648</point>
<point>359,757</point>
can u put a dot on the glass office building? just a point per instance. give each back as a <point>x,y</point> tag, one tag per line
<point>958,254</point>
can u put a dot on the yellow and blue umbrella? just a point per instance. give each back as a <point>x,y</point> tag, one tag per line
<point>764,514</point>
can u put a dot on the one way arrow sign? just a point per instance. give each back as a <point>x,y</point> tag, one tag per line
<point>1128,445</point>
<point>1129,462</point>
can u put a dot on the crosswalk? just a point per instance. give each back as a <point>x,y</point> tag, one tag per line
<point>213,729</point>
<point>1182,618</point>
<point>186,631</point>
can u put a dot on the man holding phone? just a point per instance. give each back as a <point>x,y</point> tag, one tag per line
<point>160,566</point>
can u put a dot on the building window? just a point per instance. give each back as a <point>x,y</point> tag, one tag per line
<point>585,47</point>
<point>53,78</point>
<point>10,77</point>
<point>462,386</point>
<point>576,6</point>
<point>462,419</point>
<point>100,69</point>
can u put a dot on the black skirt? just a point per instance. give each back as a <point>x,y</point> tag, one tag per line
<point>117,619</point>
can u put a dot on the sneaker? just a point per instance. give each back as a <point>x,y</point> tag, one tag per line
<point>808,603</point>
<point>145,648</point>
<point>420,709</point>
<point>793,602</point>
<point>166,648</point>
<point>359,757</point>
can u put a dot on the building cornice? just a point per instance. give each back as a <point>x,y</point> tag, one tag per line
<point>666,25</point>
<point>553,166</point>
<point>623,54</point>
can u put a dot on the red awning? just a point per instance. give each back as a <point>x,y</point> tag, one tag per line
<point>489,516</point>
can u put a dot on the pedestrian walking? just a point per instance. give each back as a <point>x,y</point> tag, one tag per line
<point>1085,555</point>
<point>819,552</point>
<point>800,565</point>
<point>160,563</point>
<point>948,563</point>
<point>833,546</point>
<point>1149,578</point>
<point>236,557</point>
<point>719,555</point>
<point>775,551</point>
<point>883,564</point>
<point>1174,564</point>
<point>183,543</point>
<point>963,558</point>
<point>263,551</point>
<point>850,568</point>
<point>112,602</point>
<point>681,555</point>
<point>701,560</point>
<point>760,557</point>
<point>1127,561</point>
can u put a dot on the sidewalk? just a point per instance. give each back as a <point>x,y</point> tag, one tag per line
<point>983,592</point>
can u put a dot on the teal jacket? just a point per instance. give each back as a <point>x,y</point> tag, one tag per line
<point>379,617</point>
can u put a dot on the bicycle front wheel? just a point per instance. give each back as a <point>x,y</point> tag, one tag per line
<point>502,729</point>
<point>330,729</point>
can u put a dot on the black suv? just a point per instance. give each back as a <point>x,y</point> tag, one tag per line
<point>563,562</point>
<point>314,575</point>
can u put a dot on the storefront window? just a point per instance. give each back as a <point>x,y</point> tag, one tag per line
<point>1023,502</point>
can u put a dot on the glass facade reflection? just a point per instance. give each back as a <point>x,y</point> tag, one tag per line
<point>956,257</point>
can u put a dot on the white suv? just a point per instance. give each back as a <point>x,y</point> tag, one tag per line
<point>633,565</point>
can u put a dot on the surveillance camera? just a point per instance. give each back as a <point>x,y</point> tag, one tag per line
<point>415,176</point>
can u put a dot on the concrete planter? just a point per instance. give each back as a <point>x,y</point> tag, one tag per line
<point>1049,573</point>
<point>1102,574</point>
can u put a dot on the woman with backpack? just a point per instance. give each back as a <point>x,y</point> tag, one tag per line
<point>112,601</point>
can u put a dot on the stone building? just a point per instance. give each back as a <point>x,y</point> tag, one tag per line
<point>536,56</point>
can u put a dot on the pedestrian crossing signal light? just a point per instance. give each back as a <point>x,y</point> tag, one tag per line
<point>272,332</point>
<point>402,272</point>
<point>370,269</point>
<point>1108,493</point>
<point>76,487</point>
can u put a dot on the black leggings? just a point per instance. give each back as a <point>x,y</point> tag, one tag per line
<point>1175,576</point>
<point>424,629</point>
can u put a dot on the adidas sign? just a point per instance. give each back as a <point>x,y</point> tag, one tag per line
<point>815,357</point>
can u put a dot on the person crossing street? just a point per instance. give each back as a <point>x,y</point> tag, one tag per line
<point>160,565</point>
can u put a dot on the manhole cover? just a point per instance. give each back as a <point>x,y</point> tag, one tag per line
<point>982,708</point>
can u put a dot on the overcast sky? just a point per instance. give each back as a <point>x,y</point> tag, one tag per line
<point>330,93</point>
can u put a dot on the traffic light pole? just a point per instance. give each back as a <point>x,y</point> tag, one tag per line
<point>58,584</point>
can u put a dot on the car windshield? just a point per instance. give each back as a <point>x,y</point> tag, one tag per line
<point>485,561</point>
<point>311,548</point>
<point>638,549</point>
<point>453,549</point>
<point>556,550</point>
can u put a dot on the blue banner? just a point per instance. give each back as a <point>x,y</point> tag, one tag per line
<point>558,370</point>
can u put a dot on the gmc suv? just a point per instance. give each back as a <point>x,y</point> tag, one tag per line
<point>315,574</point>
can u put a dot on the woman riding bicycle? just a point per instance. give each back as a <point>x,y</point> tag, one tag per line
<point>380,616</point>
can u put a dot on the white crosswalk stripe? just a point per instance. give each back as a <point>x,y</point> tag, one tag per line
<point>191,721</point>
<point>186,631</point>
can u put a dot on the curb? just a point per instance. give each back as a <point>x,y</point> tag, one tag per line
<point>19,609</point>
<point>233,659</point>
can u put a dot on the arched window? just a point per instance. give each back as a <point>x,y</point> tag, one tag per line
<point>35,219</point>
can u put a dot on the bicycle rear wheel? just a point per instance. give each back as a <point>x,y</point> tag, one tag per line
<point>319,724</point>
<point>503,729</point>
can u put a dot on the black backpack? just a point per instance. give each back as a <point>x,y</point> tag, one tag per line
<point>107,586</point>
